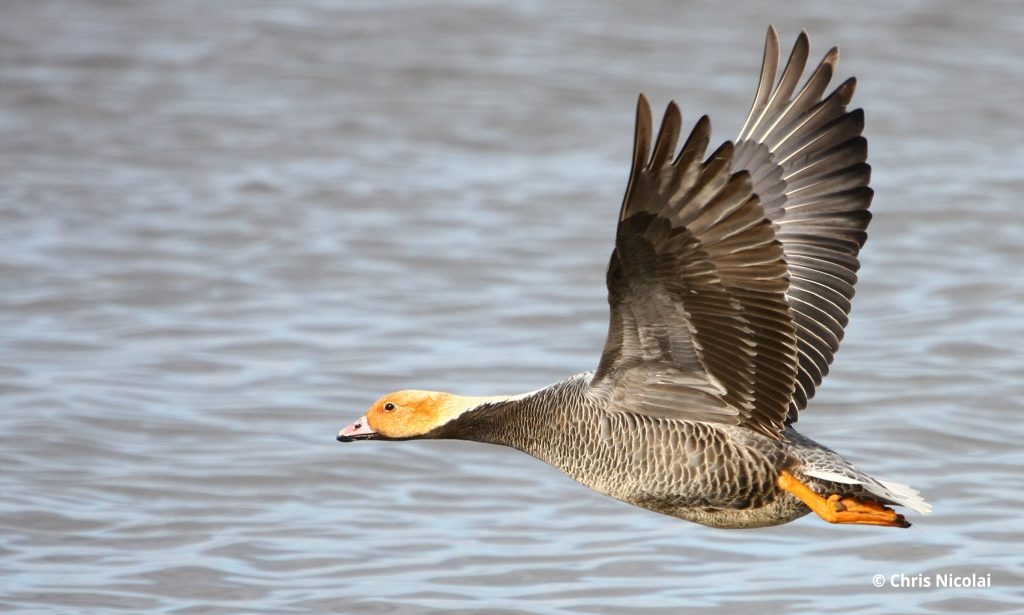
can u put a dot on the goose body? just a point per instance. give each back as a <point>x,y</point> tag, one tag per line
<point>729,288</point>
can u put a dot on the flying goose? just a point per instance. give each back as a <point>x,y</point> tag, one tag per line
<point>729,288</point>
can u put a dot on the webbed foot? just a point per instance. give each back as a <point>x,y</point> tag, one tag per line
<point>838,509</point>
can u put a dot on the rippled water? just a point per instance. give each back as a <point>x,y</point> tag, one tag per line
<point>227,230</point>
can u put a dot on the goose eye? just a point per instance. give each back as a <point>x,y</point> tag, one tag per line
<point>388,407</point>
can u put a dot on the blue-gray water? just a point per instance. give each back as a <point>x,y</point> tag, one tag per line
<point>228,228</point>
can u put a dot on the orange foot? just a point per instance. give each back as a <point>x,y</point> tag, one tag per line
<point>837,509</point>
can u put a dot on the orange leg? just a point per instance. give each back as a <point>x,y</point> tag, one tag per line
<point>837,509</point>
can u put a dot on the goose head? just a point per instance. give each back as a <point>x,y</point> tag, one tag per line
<point>404,415</point>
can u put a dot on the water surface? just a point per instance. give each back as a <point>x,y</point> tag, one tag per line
<point>227,231</point>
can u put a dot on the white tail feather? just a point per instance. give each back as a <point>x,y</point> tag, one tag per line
<point>831,476</point>
<point>893,491</point>
<point>900,493</point>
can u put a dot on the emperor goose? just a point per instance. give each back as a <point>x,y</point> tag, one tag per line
<point>729,287</point>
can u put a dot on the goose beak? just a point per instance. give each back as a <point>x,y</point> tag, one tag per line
<point>360,430</point>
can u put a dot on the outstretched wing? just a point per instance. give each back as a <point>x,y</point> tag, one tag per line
<point>700,327</point>
<point>806,157</point>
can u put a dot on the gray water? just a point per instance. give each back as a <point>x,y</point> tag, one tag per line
<point>228,228</point>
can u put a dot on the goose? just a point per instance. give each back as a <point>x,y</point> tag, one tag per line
<point>729,287</point>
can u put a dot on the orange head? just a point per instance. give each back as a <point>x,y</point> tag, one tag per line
<point>407,414</point>
<point>412,414</point>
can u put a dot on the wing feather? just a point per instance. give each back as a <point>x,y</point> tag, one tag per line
<point>732,275</point>
<point>807,157</point>
<point>700,327</point>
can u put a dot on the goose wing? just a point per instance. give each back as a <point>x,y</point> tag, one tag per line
<point>806,158</point>
<point>700,326</point>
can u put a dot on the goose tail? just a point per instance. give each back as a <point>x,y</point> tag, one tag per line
<point>891,491</point>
